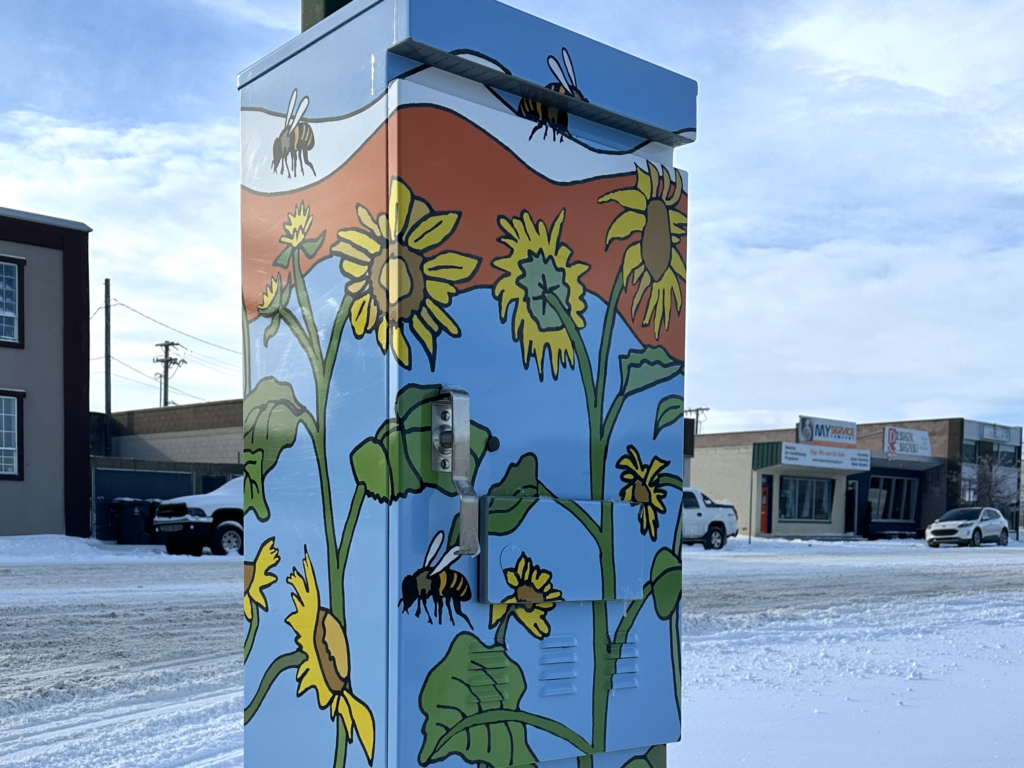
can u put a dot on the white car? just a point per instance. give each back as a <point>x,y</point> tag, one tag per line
<point>969,525</point>
<point>212,520</point>
<point>707,521</point>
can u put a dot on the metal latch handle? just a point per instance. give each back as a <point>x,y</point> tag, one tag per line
<point>450,430</point>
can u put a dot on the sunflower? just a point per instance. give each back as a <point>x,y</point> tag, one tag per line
<point>257,577</point>
<point>538,276</point>
<point>275,296</point>
<point>297,226</point>
<point>643,487</point>
<point>532,597</point>
<point>654,261</point>
<point>396,284</point>
<point>326,668</point>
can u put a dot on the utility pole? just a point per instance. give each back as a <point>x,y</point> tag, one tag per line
<point>167,361</point>
<point>698,416</point>
<point>106,368</point>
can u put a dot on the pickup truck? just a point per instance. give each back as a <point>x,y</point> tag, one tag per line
<point>707,521</point>
<point>213,520</point>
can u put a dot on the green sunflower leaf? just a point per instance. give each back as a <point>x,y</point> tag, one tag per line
<point>670,410</point>
<point>272,415</point>
<point>513,496</point>
<point>310,247</point>
<point>479,681</point>
<point>653,758</point>
<point>271,329</point>
<point>666,582</point>
<point>402,452</point>
<point>644,368</point>
<point>284,258</point>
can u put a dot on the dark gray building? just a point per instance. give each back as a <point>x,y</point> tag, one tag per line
<point>44,375</point>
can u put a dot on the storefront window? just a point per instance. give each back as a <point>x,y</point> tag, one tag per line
<point>970,452</point>
<point>806,499</point>
<point>892,498</point>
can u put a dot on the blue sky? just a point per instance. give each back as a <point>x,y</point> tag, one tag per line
<point>857,188</point>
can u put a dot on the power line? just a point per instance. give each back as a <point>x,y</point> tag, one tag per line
<point>176,330</point>
<point>152,385</point>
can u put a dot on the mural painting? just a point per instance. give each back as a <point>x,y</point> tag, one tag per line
<point>441,245</point>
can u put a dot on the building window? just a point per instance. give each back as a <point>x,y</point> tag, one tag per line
<point>892,498</point>
<point>11,293</point>
<point>11,449</point>
<point>970,452</point>
<point>806,499</point>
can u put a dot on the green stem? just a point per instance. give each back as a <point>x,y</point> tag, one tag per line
<point>250,636</point>
<point>574,509</point>
<point>584,761</point>
<point>340,745</point>
<point>629,617</point>
<point>300,335</point>
<point>501,716</point>
<point>606,337</point>
<point>333,343</point>
<point>277,666</point>
<point>304,305</point>
<point>354,508</point>
<point>499,635</point>
<point>607,546</point>
<point>602,678</point>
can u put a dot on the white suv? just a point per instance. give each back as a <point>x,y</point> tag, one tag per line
<point>212,520</point>
<point>707,521</point>
<point>969,525</point>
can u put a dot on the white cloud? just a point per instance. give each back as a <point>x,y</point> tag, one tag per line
<point>272,14</point>
<point>163,204</point>
<point>950,47</point>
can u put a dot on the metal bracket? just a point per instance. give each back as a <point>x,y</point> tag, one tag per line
<point>450,452</point>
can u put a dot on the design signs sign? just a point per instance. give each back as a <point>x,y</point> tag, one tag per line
<point>825,457</point>
<point>815,431</point>
<point>898,441</point>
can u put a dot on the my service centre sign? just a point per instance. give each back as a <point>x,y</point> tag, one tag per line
<point>814,431</point>
<point>897,441</point>
<point>825,457</point>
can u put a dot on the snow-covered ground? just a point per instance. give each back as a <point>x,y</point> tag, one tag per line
<point>795,654</point>
<point>118,656</point>
<point>847,655</point>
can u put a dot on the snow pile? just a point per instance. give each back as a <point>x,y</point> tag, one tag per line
<point>53,548</point>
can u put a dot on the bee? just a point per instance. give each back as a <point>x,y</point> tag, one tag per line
<point>295,140</point>
<point>551,117</point>
<point>445,587</point>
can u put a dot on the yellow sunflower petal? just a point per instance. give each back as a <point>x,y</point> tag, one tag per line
<point>432,231</point>
<point>359,315</point>
<point>423,333</point>
<point>498,611</point>
<point>676,218</point>
<point>645,283</point>
<point>534,622</point>
<point>360,239</point>
<point>400,347</point>
<point>247,607</point>
<point>512,578</point>
<point>643,183</point>
<point>356,287</point>
<point>628,223</point>
<point>382,337</point>
<point>417,212</point>
<point>451,266</point>
<point>677,190</point>
<point>442,317</point>
<point>367,220</point>
<point>340,705</point>
<point>554,594</point>
<point>677,264</point>
<point>540,578</point>
<point>655,174</point>
<point>630,198</point>
<point>632,259</point>
<point>363,719</point>
<point>354,268</point>
<point>350,251</point>
<point>398,207</point>
<point>440,292</point>
<point>523,567</point>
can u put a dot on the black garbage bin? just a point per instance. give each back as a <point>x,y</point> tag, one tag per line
<point>134,519</point>
<point>108,520</point>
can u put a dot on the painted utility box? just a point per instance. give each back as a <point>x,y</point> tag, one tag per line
<point>464,273</point>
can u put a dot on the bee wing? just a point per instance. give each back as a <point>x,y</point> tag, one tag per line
<point>434,548</point>
<point>449,557</point>
<point>556,70</point>
<point>570,70</point>
<point>301,111</point>
<point>291,106</point>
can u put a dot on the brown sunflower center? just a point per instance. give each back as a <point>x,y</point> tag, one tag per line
<point>248,572</point>
<point>640,492</point>
<point>398,285</point>
<point>656,243</point>
<point>528,594</point>
<point>331,650</point>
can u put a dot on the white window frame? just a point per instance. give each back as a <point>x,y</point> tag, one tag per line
<point>10,464</point>
<point>14,265</point>
<point>815,485</point>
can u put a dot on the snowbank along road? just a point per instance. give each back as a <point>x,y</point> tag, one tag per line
<point>803,656</point>
<point>114,660</point>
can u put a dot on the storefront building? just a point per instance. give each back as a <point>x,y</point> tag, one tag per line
<point>828,478</point>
